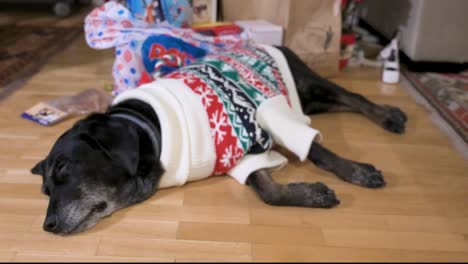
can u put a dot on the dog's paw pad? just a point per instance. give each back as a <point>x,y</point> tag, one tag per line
<point>367,175</point>
<point>394,119</point>
<point>320,196</point>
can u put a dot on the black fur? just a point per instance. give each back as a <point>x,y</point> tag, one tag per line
<point>104,163</point>
<point>102,154</point>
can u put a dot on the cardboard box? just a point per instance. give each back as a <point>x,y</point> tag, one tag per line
<point>263,32</point>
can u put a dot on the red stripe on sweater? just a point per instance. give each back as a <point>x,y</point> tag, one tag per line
<point>228,152</point>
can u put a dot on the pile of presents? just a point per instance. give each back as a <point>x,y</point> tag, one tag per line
<point>153,37</point>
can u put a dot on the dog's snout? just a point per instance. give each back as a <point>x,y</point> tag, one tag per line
<point>51,224</point>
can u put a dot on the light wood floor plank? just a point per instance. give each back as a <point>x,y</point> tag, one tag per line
<point>420,216</point>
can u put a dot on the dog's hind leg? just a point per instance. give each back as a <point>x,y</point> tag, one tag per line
<point>318,95</point>
<point>315,195</point>
<point>361,174</point>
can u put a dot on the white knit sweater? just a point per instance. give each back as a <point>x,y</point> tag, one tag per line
<point>188,151</point>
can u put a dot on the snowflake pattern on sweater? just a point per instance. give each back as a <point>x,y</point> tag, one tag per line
<point>231,86</point>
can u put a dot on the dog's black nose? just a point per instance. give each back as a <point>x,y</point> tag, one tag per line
<point>51,224</point>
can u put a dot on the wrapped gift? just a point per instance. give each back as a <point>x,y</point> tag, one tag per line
<point>146,51</point>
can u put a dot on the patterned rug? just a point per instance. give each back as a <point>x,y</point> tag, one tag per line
<point>448,94</point>
<point>25,48</point>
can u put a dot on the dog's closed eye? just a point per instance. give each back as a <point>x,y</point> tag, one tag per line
<point>100,207</point>
<point>60,173</point>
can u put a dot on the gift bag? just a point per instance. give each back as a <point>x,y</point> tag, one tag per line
<point>312,27</point>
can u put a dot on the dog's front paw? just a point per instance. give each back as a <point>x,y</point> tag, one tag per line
<point>366,175</point>
<point>318,195</point>
<point>394,120</point>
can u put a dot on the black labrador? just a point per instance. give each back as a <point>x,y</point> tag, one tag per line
<point>103,163</point>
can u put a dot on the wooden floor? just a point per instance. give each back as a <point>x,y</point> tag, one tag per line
<point>422,215</point>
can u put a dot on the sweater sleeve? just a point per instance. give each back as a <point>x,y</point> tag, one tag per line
<point>252,162</point>
<point>288,128</point>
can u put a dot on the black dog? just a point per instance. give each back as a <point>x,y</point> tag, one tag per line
<point>104,163</point>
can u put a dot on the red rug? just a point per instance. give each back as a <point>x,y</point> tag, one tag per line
<point>448,94</point>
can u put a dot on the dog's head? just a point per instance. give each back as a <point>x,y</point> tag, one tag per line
<point>98,166</point>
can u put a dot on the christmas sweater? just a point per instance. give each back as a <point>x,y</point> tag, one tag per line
<point>223,113</point>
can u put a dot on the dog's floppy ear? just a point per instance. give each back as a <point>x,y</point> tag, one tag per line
<point>40,168</point>
<point>94,143</point>
<point>123,151</point>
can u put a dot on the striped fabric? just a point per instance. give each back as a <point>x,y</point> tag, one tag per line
<point>231,86</point>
